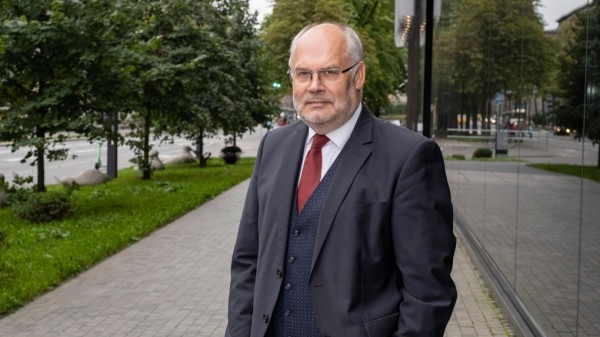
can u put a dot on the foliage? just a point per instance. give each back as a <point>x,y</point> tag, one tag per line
<point>20,190</point>
<point>180,67</point>
<point>224,89</point>
<point>483,152</point>
<point>484,47</point>
<point>231,154</point>
<point>43,207</point>
<point>579,78</point>
<point>587,172</point>
<point>54,61</point>
<point>104,220</point>
<point>373,21</point>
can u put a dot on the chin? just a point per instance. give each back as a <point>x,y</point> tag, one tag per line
<point>316,116</point>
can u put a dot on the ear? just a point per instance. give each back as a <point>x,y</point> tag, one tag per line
<point>359,77</point>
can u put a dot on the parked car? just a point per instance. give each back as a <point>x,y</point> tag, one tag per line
<point>561,131</point>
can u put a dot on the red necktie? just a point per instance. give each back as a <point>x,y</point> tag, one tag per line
<point>311,173</point>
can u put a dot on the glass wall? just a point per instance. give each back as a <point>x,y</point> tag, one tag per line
<point>526,92</point>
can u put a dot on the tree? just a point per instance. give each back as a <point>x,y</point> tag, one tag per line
<point>373,21</point>
<point>497,46</point>
<point>178,50</point>
<point>52,59</point>
<point>222,88</point>
<point>246,107</point>
<point>579,78</point>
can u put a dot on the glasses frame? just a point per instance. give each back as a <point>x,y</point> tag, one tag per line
<point>341,71</point>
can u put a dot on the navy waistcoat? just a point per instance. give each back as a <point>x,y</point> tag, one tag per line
<point>294,315</point>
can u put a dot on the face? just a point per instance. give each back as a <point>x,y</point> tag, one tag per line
<point>325,105</point>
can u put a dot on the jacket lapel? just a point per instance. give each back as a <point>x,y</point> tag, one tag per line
<point>287,176</point>
<point>353,155</point>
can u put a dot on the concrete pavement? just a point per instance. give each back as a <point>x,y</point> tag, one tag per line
<point>539,229</point>
<point>174,283</point>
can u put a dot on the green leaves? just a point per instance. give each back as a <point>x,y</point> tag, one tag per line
<point>160,61</point>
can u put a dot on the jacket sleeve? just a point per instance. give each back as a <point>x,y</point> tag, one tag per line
<point>244,261</point>
<point>424,243</point>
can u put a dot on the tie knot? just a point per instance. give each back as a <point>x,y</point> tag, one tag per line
<point>319,141</point>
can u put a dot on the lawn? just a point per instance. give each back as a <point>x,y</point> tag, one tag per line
<point>105,219</point>
<point>588,172</point>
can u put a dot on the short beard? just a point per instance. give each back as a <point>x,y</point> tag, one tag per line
<point>343,112</point>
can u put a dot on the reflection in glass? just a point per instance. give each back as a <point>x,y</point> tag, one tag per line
<point>534,207</point>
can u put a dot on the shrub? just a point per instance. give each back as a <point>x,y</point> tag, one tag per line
<point>483,152</point>
<point>43,207</point>
<point>458,157</point>
<point>231,154</point>
<point>20,190</point>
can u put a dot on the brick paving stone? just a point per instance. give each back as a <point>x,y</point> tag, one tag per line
<point>175,283</point>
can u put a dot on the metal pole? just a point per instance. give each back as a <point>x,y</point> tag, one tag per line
<point>427,71</point>
<point>111,150</point>
<point>413,90</point>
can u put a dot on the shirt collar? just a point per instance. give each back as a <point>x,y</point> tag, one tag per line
<point>340,135</point>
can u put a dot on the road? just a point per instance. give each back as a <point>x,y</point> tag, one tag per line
<point>556,149</point>
<point>86,155</point>
<point>560,150</point>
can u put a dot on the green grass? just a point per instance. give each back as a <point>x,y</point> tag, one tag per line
<point>588,172</point>
<point>105,219</point>
<point>498,159</point>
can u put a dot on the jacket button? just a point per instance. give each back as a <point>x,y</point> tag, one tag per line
<point>266,318</point>
<point>279,272</point>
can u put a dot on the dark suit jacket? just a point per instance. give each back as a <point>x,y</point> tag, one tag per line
<point>383,252</point>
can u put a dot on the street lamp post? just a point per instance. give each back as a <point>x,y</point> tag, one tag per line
<point>411,20</point>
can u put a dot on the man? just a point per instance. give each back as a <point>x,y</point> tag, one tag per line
<point>368,250</point>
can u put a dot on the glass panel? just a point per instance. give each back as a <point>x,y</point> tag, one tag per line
<point>530,93</point>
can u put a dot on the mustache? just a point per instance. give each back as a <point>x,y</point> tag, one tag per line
<point>317,98</point>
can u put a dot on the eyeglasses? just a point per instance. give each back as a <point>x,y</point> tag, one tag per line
<point>330,75</point>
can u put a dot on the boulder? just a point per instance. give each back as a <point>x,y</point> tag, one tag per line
<point>155,162</point>
<point>186,157</point>
<point>87,178</point>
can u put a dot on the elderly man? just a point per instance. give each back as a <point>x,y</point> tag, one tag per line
<point>347,226</point>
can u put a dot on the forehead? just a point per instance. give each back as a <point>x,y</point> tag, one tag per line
<point>321,46</point>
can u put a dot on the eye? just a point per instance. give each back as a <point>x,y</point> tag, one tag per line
<point>329,73</point>
<point>303,74</point>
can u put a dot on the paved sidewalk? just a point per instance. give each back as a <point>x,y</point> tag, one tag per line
<point>175,283</point>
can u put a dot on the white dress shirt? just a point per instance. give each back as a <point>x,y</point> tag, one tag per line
<point>337,139</point>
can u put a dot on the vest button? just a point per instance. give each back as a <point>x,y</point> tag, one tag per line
<point>288,286</point>
<point>296,232</point>
<point>279,272</point>
<point>266,318</point>
<point>291,259</point>
<point>287,312</point>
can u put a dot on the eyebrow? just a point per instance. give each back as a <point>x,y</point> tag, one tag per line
<point>326,67</point>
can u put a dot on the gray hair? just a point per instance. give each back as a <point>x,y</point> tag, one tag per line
<point>355,48</point>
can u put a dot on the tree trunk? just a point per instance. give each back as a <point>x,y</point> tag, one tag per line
<point>598,156</point>
<point>39,152</point>
<point>200,150</point>
<point>145,167</point>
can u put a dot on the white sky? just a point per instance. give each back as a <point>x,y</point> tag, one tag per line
<point>262,6</point>
<point>551,10</point>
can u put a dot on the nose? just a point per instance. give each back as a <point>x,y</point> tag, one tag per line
<point>315,84</point>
